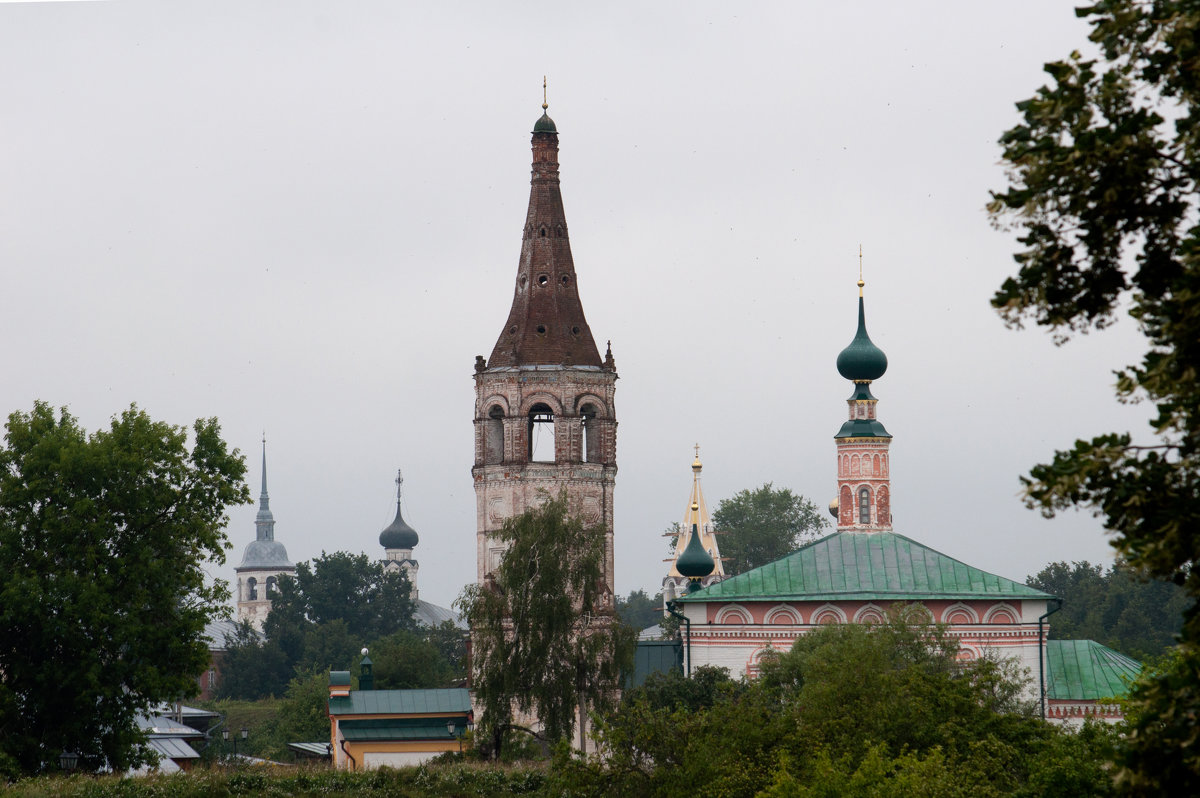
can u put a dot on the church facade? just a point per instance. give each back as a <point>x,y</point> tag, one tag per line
<point>545,414</point>
<point>864,569</point>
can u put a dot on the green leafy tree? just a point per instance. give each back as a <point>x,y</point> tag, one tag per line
<point>850,710</point>
<point>639,609</point>
<point>104,599</point>
<point>545,640</point>
<point>252,668</point>
<point>341,586</point>
<point>302,716</point>
<point>410,660</point>
<point>761,525</point>
<point>1115,607</point>
<point>1103,187</point>
<point>320,619</point>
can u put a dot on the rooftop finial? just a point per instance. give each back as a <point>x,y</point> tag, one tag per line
<point>696,463</point>
<point>399,484</point>
<point>860,279</point>
<point>544,102</point>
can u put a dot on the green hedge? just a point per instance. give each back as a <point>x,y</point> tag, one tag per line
<point>304,782</point>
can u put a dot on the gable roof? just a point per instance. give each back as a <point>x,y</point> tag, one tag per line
<point>1084,670</point>
<point>401,702</point>
<point>881,566</point>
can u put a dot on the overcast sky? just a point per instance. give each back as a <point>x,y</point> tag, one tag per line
<point>305,217</point>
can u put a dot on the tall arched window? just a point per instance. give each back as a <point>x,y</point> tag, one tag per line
<point>272,586</point>
<point>591,434</point>
<point>252,589</point>
<point>494,436</point>
<point>864,505</point>
<point>541,434</point>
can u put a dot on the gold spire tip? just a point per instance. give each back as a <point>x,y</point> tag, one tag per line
<point>860,279</point>
<point>544,102</point>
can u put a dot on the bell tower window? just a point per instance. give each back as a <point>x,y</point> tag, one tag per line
<point>591,434</point>
<point>541,434</point>
<point>252,589</point>
<point>864,505</point>
<point>272,586</point>
<point>494,436</point>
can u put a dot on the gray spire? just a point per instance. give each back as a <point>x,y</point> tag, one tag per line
<point>264,521</point>
<point>264,552</point>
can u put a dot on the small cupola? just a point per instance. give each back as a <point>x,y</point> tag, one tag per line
<point>545,124</point>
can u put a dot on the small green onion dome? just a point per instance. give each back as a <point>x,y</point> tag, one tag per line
<point>544,125</point>
<point>695,562</point>
<point>398,535</point>
<point>862,360</point>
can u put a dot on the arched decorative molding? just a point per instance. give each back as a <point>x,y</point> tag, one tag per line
<point>733,614</point>
<point>967,653</point>
<point>754,664</point>
<point>782,615</point>
<point>916,613</point>
<point>870,613</point>
<point>827,613</point>
<point>855,465</point>
<point>495,400</point>
<point>540,398</point>
<point>959,613</point>
<point>593,400</point>
<point>1001,613</point>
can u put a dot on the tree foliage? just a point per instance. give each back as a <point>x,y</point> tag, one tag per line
<point>1103,187</point>
<point>761,525</point>
<point>1115,607</point>
<point>850,710</point>
<point>639,609</point>
<point>320,619</point>
<point>545,639</point>
<point>103,595</point>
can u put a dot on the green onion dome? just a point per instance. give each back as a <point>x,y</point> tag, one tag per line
<point>544,125</point>
<point>862,361</point>
<point>695,562</point>
<point>398,535</point>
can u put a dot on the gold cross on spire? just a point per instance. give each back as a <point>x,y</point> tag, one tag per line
<point>544,105</point>
<point>399,483</point>
<point>697,447</point>
<point>860,279</point>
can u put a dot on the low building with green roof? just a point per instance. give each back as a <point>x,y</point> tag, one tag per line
<point>372,728</point>
<point>1086,680</point>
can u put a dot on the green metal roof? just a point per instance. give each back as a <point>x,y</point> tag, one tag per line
<point>862,428</point>
<point>401,702</point>
<point>1082,670</point>
<point>401,728</point>
<point>864,565</point>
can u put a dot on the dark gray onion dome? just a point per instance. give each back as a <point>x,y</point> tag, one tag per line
<point>265,554</point>
<point>398,535</point>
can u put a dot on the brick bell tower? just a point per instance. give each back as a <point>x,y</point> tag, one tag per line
<point>544,413</point>
<point>864,498</point>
